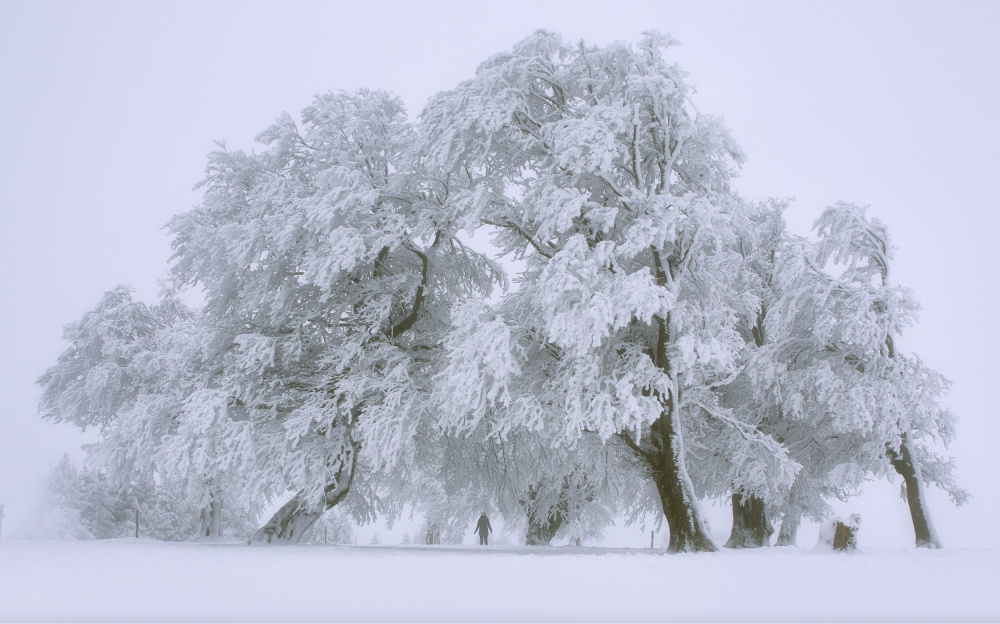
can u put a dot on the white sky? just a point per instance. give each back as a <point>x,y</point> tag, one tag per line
<point>107,111</point>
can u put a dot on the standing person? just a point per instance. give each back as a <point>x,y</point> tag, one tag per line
<point>484,529</point>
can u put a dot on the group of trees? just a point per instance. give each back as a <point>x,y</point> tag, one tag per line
<point>664,341</point>
<point>83,503</point>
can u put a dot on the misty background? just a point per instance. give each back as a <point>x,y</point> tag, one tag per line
<point>107,111</point>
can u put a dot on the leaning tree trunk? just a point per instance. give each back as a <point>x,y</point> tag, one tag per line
<point>295,517</point>
<point>916,496</point>
<point>688,529</point>
<point>751,526</point>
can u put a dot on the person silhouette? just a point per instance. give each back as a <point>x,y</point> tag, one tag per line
<point>483,528</point>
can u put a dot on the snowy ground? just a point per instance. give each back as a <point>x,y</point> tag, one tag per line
<point>140,580</point>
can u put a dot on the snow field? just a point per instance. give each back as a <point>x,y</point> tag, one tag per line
<point>141,580</point>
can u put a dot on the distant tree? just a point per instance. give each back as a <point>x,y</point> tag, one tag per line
<point>146,378</point>
<point>334,527</point>
<point>81,503</point>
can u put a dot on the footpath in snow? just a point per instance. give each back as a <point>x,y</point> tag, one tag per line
<point>140,580</point>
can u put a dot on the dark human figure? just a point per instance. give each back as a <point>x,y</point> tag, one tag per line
<point>484,529</point>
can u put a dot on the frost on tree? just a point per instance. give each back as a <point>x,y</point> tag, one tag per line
<point>741,459</point>
<point>667,340</point>
<point>330,261</point>
<point>146,378</point>
<point>84,503</point>
<point>847,404</point>
<point>593,166</point>
<point>849,237</point>
<point>542,492</point>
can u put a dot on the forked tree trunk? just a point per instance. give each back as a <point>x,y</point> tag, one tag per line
<point>751,527</point>
<point>916,497</point>
<point>290,523</point>
<point>789,527</point>
<point>688,529</point>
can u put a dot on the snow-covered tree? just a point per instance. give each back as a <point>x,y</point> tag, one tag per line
<point>83,503</point>
<point>845,403</point>
<point>331,265</point>
<point>536,488</point>
<point>667,341</point>
<point>145,377</point>
<point>748,471</point>
<point>334,527</point>
<point>595,168</point>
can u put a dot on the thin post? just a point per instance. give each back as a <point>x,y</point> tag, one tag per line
<point>136,523</point>
<point>650,539</point>
<point>324,534</point>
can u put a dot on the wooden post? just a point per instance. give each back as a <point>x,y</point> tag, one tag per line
<point>650,539</point>
<point>324,534</point>
<point>136,523</point>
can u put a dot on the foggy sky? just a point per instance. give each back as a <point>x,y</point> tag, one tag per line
<point>107,111</point>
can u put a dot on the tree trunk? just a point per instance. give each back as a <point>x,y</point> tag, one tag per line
<point>789,527</point>
<point>433,535</point>
<point>688,529</point>
<point>216,513</point>
<point>211,517</point>
<point>916,497</point>
<point>295,517</point>
<point>544,521</point>
<point>751,527</point>
<point>541,533</point>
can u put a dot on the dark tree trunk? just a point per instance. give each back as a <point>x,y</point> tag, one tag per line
<point>290,523</point>
<point>916,497</point>
<point>544,518</point>
<point>789,527</point>
<point>540,533</point>
<point>751,527</point>
<point>688,530</point>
